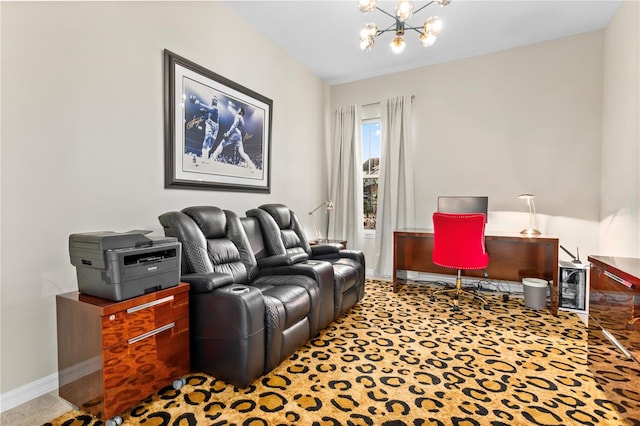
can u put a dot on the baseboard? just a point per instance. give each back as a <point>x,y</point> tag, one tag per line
<point>26,393</point>
<point>370,273</point>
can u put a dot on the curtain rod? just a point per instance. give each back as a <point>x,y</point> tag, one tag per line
<point>378,103</point>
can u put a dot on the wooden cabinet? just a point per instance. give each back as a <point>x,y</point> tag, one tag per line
<point>614,331</point>
<point>112,355</point>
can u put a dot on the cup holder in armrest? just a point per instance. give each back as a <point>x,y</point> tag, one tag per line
<point>240,290</point>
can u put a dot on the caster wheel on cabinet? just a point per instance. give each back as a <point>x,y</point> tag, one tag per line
<point>178,383</point>
<point>505,297</point>
<point>116,421</point>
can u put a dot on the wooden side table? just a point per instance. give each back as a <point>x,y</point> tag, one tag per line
<point>112,355</point>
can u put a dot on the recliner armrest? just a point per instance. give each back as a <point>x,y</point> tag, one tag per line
<point>356,255</point>
<point>325,249</point>
<point>282,260</point>
<point>206,282</point>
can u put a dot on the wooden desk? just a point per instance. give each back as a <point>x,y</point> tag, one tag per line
<point>511,258</point>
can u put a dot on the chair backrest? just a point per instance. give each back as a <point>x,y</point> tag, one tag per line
<point>253,230</point>
<point>213,240</point>
<point>282,230</point>
<point>459,240</point>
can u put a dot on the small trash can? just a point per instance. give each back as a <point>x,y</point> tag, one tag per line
<point>535,292</point>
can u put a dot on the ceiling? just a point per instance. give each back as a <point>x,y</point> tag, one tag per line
<point>323,35</point>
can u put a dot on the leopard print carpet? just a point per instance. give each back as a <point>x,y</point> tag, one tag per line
<point>399,359</point>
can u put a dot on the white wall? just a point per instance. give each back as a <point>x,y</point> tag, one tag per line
<point>82,142</point>
<point>524,120</point>
<point>620,226</point>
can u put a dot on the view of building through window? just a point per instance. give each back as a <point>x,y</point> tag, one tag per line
<point>371,170</point>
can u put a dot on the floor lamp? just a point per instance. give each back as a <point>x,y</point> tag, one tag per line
<point>329,206</point>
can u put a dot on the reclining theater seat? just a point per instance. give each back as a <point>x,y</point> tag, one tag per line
<point>241,325</point>
<point>283,234</point>
<point>293,264</point>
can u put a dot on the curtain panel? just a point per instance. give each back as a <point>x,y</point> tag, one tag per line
<point>347,218</point>
<point>396,188</point>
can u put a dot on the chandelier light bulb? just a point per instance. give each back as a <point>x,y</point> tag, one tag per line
<point>404,10</point>
<point>369,30</point>
<point>433,25</point>
<point>427,39</point>
<point>366,44</point>
<point>366,6</point>
<point>397,44</point>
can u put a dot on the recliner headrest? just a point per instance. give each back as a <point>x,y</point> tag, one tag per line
<point>211,220</point>
<point>280,213</point>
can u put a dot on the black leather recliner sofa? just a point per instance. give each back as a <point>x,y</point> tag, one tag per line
<point>243,321</point>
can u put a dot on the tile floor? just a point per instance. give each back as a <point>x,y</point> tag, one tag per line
<point>37,411</point>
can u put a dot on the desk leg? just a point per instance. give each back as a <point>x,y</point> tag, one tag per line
<point>555,288</point>
<point>399,277</point>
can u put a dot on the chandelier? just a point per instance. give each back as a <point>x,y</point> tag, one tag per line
<point>404,10</point>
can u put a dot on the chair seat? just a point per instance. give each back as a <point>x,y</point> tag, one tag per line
<point>346,270</point>
<point>294,300</point>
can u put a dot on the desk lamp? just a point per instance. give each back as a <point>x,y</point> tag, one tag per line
<point>531,231</point>
<point>329,205</point>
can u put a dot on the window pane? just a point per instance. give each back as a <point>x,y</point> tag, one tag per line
<point>371,169</point>
<point>371,146</point>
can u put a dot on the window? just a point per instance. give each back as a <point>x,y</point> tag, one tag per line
<point>370,169</point>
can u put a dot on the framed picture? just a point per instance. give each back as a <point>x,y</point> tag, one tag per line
<point>217,132</point>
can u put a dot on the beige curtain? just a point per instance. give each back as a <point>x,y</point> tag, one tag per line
<point>396,191</point>
<point>346,219</point>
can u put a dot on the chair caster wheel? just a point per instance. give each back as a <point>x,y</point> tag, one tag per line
<point>456,308</point>
<point>505,297</point>
<point>487,307</point>
<point>432,298</point>
<point>178,383</point>
<point>116,421</point>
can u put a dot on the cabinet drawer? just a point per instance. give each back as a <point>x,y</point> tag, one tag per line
<point>140,319</point>
<point>139,366</point>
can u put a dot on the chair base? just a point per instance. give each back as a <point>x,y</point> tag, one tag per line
<point>457,292</point>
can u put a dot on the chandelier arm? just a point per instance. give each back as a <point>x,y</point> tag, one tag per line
<point>386,13</point>
<point>389,28</point>
<point>422,7</point>
<point>416,29</point>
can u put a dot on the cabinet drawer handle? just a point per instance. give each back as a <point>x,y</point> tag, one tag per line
<point>152,333</point>
<point>618,279</point>
<point>150,304</point>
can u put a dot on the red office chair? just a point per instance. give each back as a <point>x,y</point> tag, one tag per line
<point>459,244</point>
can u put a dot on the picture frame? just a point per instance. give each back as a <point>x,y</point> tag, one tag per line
<point>217,132</point>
